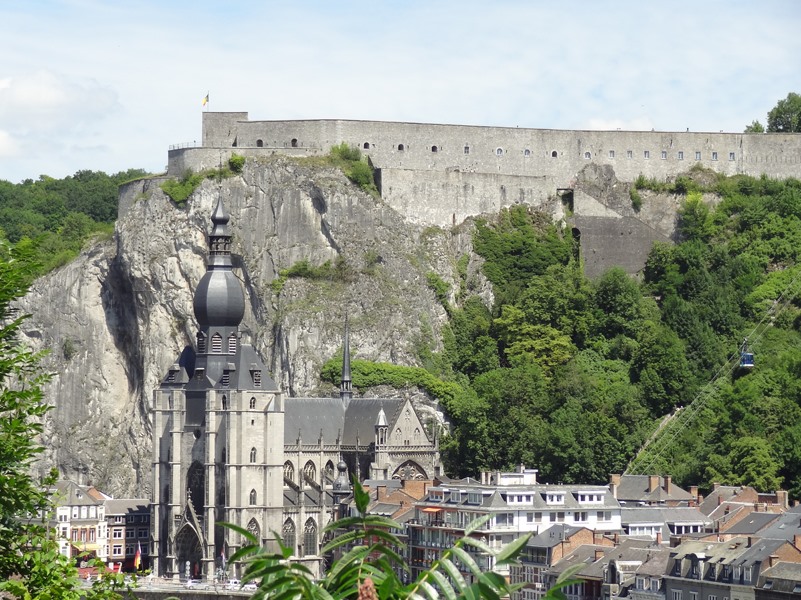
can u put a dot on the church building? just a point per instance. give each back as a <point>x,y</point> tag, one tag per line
<point>229,447</point>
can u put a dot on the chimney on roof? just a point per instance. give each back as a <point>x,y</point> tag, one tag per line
<point>599,554</point>
<point>668,480</point>
<point>659,536</point>
<point>614,483</point>
<point>782,498</point>
<point>694,494</point>
<point>380,492</point>
<point>653,482</point>
<point>772,560</point>
<point>797,541</point>
<point>715,485</point>
<point>521,468</point>
<point>750,540</point>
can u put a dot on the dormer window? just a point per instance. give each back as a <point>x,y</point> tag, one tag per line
<point>232,344</point>
<point>257,379</point>
<point>171,376</point>
<point>226,378</point>
<point>435,496</point>
<point>216,344</point>
<point>201,343</point>
<point>555,498</point>
<point>200,373</point>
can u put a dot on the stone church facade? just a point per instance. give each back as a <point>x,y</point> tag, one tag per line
<point>229,447</point>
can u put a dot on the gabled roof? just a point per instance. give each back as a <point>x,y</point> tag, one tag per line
<point>785,527</point>
<point>752,524</point>
<point>127,505</point>
<point>553,536</point>
<point>635,488</point>
<point>69,493</point>
<point>333,418</point>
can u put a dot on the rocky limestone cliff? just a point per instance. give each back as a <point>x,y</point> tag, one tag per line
<point>117,317</point>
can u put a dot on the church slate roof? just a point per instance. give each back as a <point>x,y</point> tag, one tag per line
<point>308,417</point>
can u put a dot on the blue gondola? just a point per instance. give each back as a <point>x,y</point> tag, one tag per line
<point>746,357</point>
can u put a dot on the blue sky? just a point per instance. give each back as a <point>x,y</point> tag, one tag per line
<point>101,85</point>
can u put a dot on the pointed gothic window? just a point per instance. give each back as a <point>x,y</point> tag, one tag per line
<point>216,344</point>
<point>252,455</point>
<point>289,471</point>
<point>329,471</point>
<point>253,403</point>
<point>310,537</point>
<point>310,471</point>
<point>288,534</point>
<point>253,497</point>
<point>232,344</point>
<point>253,526</point>
<point>225,403</point>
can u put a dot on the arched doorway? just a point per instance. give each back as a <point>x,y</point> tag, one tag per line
<point>188,548</point>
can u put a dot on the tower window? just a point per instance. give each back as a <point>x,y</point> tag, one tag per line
<point>201,343</point>
<point>646,154</point>
<point>588,155</point>
<point>434,149</point>
<point>253,403</point>
<point>611,154</point>
<point>467,149</point>
<point>554,154</point>
<point>664,154</point>
<point>252,455</point>
<point>714,156</point>
<point>259,144</point>
<point>253,497</point>
<point>366,145</point>
<point>232,344</point>
<point>499,151</point>
<point>294,142</point>
<point>681,155</point>
<point>697,155</point>
<point>629,154</point>
<point>526,152</point>
<point>400,148</point>
<point>257,379</point>
<point>216,344</point>
<point>224,403</point>
<point>226,378</point>
<point>731,155</point>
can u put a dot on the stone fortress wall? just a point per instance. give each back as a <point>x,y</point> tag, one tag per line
<point>437,174</point>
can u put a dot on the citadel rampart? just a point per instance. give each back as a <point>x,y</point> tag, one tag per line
<point>438,174</point>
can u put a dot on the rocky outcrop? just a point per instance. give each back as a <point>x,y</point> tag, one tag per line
<point>116,318</point>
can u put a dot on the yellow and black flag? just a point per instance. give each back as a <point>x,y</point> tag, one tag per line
<point>206,100</point>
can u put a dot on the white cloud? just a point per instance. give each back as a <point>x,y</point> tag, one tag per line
<point>8,146</point>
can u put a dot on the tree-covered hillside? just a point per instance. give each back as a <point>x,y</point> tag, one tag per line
<point>56,216</point>
<point>571,376</point>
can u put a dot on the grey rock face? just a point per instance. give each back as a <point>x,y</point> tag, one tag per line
<point>116,318</point>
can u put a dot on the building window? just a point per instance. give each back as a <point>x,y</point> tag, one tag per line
<point>680,155</point>
<point>714,156</point>
<point>400,148</point>
<point>224,403</point>
<point>130,533</point>
<point>664,154</point>
<point>252,455</point>
<point>116,550</point>
<point>434,149</point>
<point>253,497</point>
<point>216,344</point>
<point>526,152</point>
<point>257,379</point>
<point>580,517</point>
<point>697,155</point>
<point>259,144</point>
<point>289,471</point>
<point>366,145</point>
<point>226,379</point>
<point>554,154</point>
<point>117,534</point>
<point>294,142</point>
<point>693,595</point>
<point>611,154</point>
<point>310,471</point>
<point>499,151</point>
<point>467,149</point>
<point>232,344</point>
<point>310,537</point>
<point>646,154</point>
<point>252,403</point>
<point>731,155</point>
<point>587,155</point>
<point>676,595</point>
<point>629,153</point>
<point>288,533</point>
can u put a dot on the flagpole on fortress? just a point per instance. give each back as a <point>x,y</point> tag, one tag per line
<point>206,102</point>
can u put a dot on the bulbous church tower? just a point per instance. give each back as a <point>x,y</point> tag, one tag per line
<point>218,432</point>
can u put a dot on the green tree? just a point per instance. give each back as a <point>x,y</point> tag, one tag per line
<point>785,117</point>
<point>753,464</point>
<point>755,127</point>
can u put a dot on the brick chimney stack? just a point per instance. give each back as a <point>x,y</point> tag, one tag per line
<point>653,482</point>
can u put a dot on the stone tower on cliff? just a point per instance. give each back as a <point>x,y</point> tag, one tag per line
<point>218,431</point>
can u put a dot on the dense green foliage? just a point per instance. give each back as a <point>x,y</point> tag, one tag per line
<point>56,217</point>
<point>571,376</point>
<point>31,566</point>
<point>179,190</point>
<point>350,160</point>
<point>785,117</point>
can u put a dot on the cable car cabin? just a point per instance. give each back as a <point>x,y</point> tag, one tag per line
<point>746,357</point>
